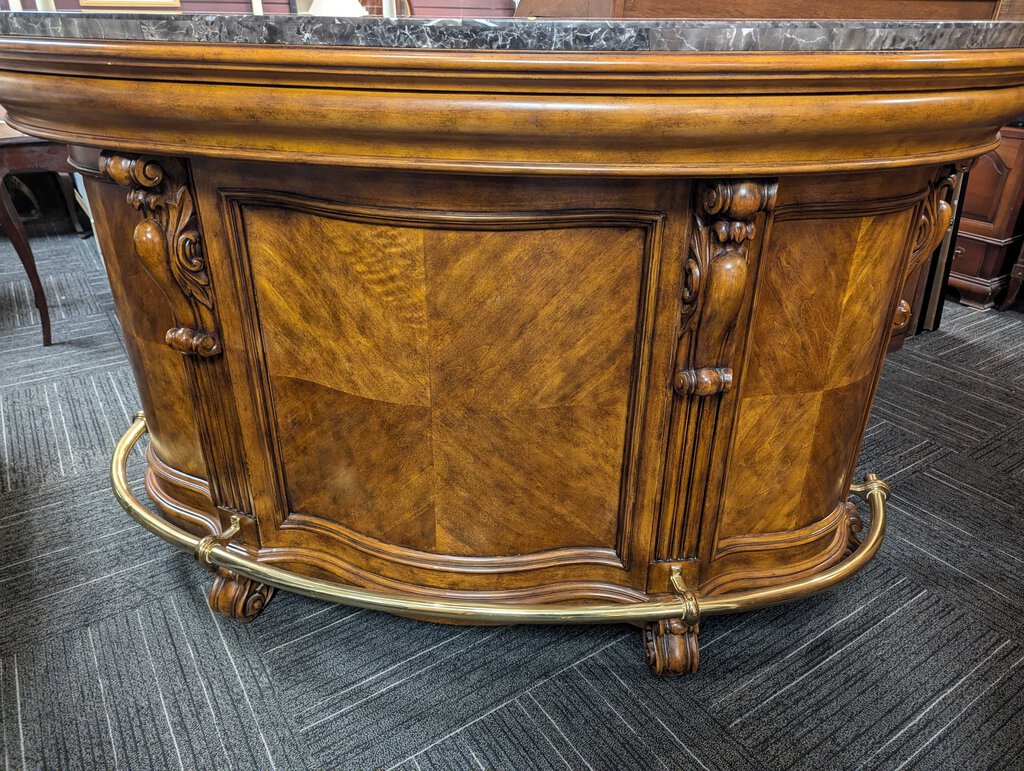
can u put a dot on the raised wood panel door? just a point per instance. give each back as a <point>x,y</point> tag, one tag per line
<point>490,398</point>
<point>992,228</point>
<point>826,296</point>
<point>992,202</point>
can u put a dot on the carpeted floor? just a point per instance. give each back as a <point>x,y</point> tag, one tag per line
<point>110,659</point>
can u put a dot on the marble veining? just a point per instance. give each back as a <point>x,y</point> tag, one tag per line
<point>523,34</point>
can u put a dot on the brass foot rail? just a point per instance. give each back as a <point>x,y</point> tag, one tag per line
<point>217,551</point>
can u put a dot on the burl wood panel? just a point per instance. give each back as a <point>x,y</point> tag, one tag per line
<point>799,396</point>
<point>462,372</point>
<point>483,414</point>
<point>823,309</point>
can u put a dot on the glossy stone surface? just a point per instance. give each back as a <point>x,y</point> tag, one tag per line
<point>522,34</point>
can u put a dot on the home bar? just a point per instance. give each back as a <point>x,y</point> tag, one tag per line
<point>512,321</point>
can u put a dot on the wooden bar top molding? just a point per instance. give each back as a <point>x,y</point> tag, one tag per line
<point>437,320</point>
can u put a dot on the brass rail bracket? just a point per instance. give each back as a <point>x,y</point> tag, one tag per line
<point>691,608</point>
<point>871,485</point>
<point>205,546</point>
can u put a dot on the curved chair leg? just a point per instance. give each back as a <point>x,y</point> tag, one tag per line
<point>15,231</point>
<point>67,188</point>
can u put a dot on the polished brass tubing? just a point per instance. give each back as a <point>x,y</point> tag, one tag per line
<point>215,553</point>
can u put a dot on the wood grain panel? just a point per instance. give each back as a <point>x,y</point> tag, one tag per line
<point>470,400</point>
<point>145,316</point>
<point>825,284</point>
<point>364,282</point>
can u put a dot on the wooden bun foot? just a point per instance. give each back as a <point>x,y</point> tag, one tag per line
<point>672,647</point>
<point>238,597</point>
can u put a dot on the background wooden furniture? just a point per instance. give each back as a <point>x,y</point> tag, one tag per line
<point>448,337</point>
<point>992,228</point>
<point>1016,279</point>
<point>22,153</point>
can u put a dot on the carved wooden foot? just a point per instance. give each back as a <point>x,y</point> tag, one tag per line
<point>237,596</point>
<point>672,647</point>
<point>856,525</point>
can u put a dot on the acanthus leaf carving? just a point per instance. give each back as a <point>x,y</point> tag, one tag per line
<point>936,214</point>
<point>168,242</point>
<point>725,222</point>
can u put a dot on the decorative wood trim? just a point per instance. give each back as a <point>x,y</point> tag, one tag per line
<point>238,597</point>
<point>452,563</point>
<point>786,538</point>
<point>722,229</point>
<point>671,647</point>
<point>847,209</point>
<point>746,578</point>
<point>555,592</point>
<point>936,215</point>
<point>726,220</point>
<point>176,495</point>
<point>911,205</point>
<point>168,243</point>
<point>192,341</point>
<point>686,113</point>
<point>988,240</point>
<point>652,223</point>
<point>904,313</point>
<point>168,235</point>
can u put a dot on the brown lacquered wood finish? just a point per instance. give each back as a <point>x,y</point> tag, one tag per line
<point>992,227</point>
<point>20,153</point>
<point>430,326</point>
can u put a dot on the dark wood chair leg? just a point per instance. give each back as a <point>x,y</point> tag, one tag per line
<point>67,187</point>
<point>1016,279</point>
<point>15,231</point>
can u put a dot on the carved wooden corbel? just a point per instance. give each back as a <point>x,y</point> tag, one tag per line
<point>936,214</point>
<point>725,223</point>
<point>167,241</point>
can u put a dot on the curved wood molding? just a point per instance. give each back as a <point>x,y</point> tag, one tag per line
<point>186,500</point>
<point>555,592</point>
<point>787,568</point>
<point>768,541</point>
<point>452,562</point>
<point>671,113</point>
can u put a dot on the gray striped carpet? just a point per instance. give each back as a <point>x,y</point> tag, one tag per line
<point>109,657</point>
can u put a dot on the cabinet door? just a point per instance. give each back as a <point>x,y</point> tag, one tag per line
<point>454,381</point>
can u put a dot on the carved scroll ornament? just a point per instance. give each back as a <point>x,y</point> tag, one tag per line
<point>716,274</point>
<point>936,214</point>
<point>168,243</point>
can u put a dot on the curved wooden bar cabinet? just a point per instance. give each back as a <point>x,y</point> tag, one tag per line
<point>511,336</point>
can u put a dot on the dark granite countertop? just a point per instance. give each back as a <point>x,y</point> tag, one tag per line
<point>523,34</point>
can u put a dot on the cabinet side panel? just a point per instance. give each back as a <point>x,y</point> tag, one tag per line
<point>145,317</point>
<point>831,273</point>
